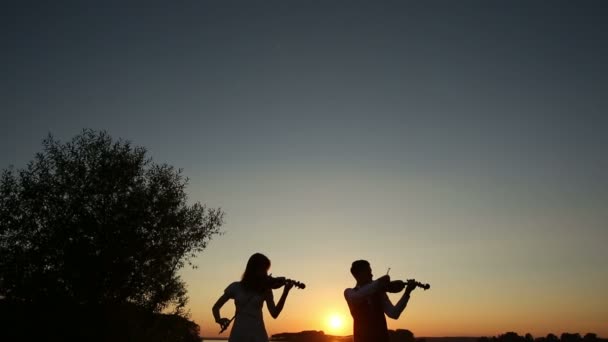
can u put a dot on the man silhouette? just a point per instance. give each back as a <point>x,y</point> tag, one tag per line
<point>368,303</point>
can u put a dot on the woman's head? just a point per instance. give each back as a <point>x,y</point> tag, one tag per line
<point>256,272</point>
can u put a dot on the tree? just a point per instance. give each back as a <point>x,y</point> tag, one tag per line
<point>510,336</point>
<point>529,337</point>
<point>96,221</point>
<point>401,335</point>
<point>567,337</point>
<point>589,337</point>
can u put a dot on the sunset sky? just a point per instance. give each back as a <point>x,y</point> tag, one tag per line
<point>461,143</point>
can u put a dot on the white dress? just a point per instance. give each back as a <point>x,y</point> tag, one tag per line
<point>249,321</point>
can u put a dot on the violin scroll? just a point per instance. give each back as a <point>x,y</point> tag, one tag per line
<point>419,284</point>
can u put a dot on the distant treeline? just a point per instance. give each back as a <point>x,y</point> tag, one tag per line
<point>404,335</point>
<point>565,337</point>
<point>95,323</point>
<point>399,335</point>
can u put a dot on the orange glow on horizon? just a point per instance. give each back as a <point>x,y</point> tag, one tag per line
<point>454,307</point>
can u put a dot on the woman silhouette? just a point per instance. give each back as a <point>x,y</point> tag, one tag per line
<point>249,296</point>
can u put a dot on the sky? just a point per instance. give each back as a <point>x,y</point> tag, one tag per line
<point>460,143</point>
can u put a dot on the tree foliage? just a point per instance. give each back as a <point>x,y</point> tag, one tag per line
<point>92,323</point>
<point>94,220</point>
<point>565,337</point>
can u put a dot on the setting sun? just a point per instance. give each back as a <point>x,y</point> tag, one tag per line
<point>335,324</point>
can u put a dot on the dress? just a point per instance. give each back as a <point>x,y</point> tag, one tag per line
<point>249,321</point>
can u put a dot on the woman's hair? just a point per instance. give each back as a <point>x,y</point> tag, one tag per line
<point>253,279</point>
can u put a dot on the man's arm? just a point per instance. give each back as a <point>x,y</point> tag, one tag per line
<point>366,290</point>
<point>394,311</point>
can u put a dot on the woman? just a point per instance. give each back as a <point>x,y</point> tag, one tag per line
<point>249,295</point>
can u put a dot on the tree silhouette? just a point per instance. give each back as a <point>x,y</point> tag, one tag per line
<point>511,336</point>
<point>567,337</point>
<point>589,337</point>
<point>401,335</point>
<point>95,221</point>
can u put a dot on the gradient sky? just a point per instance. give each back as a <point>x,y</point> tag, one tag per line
<point>461,143</point>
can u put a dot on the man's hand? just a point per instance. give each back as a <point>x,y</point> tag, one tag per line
<point>288,286</point>
<point>384,281</point>
<point>411,286</point>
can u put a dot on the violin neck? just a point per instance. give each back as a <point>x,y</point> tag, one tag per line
<point>295,283</point>
<point>421,285</point>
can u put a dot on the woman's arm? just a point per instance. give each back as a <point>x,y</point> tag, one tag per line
<point>275,310</point>
<point>218,305</point>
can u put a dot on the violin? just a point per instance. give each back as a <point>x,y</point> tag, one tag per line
<point>398,285</point>
<point>276,282</point>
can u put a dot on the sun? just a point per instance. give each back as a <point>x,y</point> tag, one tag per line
<point>335,324</point>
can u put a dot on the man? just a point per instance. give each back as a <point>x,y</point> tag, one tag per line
<point>368,302</point>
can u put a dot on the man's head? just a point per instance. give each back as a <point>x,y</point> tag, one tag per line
<point>362,271</point>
